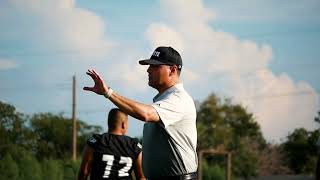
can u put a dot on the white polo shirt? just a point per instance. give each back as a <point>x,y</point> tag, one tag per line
<point>169,148</point>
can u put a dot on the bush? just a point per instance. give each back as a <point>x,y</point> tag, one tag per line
<point>213,172</point>
<point>52,169</point>
<point>29,168</point>
<point>8,168</point>
<point>71,170</point>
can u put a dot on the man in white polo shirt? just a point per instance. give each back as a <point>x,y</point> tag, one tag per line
<point>169,135</point>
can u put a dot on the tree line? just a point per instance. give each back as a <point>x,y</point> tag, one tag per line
<point>225,125</point>
<point>39,146</point>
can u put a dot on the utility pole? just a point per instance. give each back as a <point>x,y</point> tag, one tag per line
<point>74,122</point>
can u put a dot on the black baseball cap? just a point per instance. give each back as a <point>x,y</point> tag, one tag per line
<point>164,55</point>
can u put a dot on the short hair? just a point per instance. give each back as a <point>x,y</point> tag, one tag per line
<point>179,71</point>
<point>114,117</point>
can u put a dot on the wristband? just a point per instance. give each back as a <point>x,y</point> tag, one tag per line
<point>109,93</point>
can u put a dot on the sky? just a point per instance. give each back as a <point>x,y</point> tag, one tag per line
<point>263,54</point>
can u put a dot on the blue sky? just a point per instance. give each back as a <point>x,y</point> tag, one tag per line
<point>263,54</point>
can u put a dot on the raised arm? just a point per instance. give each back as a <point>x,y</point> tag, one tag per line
<point>135,109</point>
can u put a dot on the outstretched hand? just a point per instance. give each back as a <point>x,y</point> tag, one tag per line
<point>99,86</point>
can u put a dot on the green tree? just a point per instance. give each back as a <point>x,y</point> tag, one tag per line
<point>71,170</point>
<point>54,135</point>
<point>317,119</point>
<point>245,159</point>
<point>272,161</point>
<point>8,168</point>
<point>301,151</point>
<point>12,128</point>
<point>52,169</point>
<point>317,171</point>
<point>25,141</point>
<point>226,123</point>
<point>29,167</point>
<point>212,129</point>
<point>223,124</point>
<point>213,171</point>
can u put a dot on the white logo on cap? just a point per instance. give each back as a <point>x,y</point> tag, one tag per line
<point>156,53</point>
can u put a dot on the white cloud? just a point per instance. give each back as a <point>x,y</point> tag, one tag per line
<point>278,103</point>
<point>190,76</point>
<point>132,77</point>
<point>6,64</point>
<point>48,27</point>
<point>124,71</point>
<point>154,35</point>
<point>195,13</point>
<point>242,64</point>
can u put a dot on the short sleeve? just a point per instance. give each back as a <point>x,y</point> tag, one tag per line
<point>93,140</point>
<point>137,147</point>
<point>169,109</point>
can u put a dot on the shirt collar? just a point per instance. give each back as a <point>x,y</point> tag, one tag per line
<point>169,90</point>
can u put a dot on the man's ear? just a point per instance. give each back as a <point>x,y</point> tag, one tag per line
<point>123,126</point>
<point>173,70</point>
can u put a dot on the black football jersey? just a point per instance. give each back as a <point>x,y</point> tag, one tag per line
<point>114,156</point>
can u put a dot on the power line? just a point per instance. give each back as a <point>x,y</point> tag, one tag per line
<point>269,96</point>
<point>261,97</point>
<point>281,33</point>
<point>36,88</point>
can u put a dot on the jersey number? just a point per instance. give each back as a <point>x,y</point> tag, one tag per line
<point>110,162</point>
